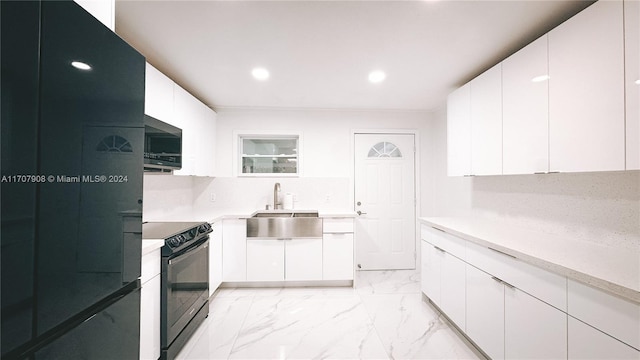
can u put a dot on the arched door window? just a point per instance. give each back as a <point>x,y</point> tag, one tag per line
<point>384,150</point>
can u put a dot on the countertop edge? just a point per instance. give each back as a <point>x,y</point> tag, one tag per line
<point>149,245</point>
<point>589,279</point>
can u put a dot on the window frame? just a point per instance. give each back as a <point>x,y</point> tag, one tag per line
<point>238,155</point>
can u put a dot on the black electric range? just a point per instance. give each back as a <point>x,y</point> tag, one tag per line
<point>185,280</point>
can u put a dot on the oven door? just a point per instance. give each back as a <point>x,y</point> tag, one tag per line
<point>185,289</point>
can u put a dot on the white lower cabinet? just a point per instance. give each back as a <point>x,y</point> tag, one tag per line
<point>444,281</point>
<point>234,250</point>
<point>265,260</point>
<point>431,266</point>
<point>485,312</point>
<point>611,314</point>
<point>514,310</point>
<point>215,257</point>
<point>586,342</point>
<point>453,289</point>
<point>150,306</point>
<point>337,256</point>
<point>532,328</point>
<point>278,260</point>
<point>303,259</point>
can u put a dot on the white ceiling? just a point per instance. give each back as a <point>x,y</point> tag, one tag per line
<point>319,53</point>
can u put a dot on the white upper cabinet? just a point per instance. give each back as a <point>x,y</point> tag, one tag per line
<point>459,132</point>
<point>168,102</point>
<point>486,122</point>
<point>586,91</point>
<point>632,81</point>
<point>525,110</point>
<point>103,10</point>
<point>188,114</point>
<point>206,156</point>
<point>158,96</point>
<point>197,122</point>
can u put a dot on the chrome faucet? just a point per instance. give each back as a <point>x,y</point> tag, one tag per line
<point>276,192</point>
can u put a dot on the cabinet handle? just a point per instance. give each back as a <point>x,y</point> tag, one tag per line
<point>498,280</point>
<point>435,228</point>
<point>540,173</point>
<point>508,285</point>
<point>437,248</point>
<point>503,253</point>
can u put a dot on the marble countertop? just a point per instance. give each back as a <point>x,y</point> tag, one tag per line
<point>616,270</point>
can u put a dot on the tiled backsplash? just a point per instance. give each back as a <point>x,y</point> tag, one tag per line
<point>177,198</point>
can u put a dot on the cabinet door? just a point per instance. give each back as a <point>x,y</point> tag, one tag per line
<point>586,91</point>
<point>265,260</point>
<point>459,132</point>
<point>486,122</point>
<point>215,258</point>
<point>158,96</point>
<point>533,329</point>
<point>525,110</point>
<point>337,257</point>
<point>431,270</point>
<point>150,319</point>
<point>586,342</point>
<point>188,112</point>
<point>612,314</point>
<point>632,81</point>
<point>207,156</point>
<point>453,284</point>
<point>234,250</point>
<point>485,312</point>
<point>303,259</point>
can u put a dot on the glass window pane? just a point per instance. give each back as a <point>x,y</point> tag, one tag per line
<point>269,146</point>
<point>384,149</point>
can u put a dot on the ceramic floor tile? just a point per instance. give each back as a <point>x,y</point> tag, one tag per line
<point>411,329</point>
<point>299,327</point>
<point>383,317</point>
<point>388,282</point>
<point>226,316</point>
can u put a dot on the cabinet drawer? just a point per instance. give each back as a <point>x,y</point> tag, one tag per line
<point>544,285</point>
<point>586,342</point>
<point>337,225</point>
<point>615,316</point>
<point>150,265</point>
<point>447,242</point>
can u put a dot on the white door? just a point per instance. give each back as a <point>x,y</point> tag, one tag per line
<point>385,200</point>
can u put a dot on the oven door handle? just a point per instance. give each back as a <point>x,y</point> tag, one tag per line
<point>191,251</point>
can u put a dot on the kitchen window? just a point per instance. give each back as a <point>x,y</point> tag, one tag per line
<point>269,155</point>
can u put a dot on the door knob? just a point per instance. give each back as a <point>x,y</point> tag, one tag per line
<point>358,203</point>
<point>360,213</point>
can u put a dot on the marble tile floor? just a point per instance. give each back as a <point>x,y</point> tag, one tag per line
<point>383,317</point>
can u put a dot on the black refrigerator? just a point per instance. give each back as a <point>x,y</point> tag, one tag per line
<point>71,194</point>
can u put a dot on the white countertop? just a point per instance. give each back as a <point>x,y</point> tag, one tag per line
<point>321,213</point>
<point>148,245</point>
<point>616,270</point>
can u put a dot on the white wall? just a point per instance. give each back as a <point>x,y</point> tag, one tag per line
<point>326,136</point>
<point>167,198</point>
<point>601,207</point>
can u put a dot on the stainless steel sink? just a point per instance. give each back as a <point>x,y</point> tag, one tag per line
<point>284,225</point>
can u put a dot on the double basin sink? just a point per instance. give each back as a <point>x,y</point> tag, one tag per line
<point>284,225</point>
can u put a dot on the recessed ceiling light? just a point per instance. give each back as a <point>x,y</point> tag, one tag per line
<point>540,78</point>
<point>377,76</point>
<point>638,82</point>
<point>260,73</point>
<point>80,65</point>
